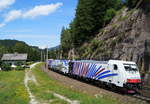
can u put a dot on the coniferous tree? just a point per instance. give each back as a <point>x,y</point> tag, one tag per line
<point>131,3</point>
<point>91,15</point>
<point>66,40</point>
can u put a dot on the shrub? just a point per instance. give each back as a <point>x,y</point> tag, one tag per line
<point>19,68</point>
<point>94,44</point>
<point>1,63</point>
<point>114,26</point>
<point>6,67</point>
<point>123,18</point>
<point>19,63</point>
<point>110,13</point>
<point>29,63</point>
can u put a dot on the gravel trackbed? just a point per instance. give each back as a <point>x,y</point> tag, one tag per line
<point>90,89</point>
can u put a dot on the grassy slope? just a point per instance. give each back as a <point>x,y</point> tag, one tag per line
<point>47,86</point>
<point>12,90</point>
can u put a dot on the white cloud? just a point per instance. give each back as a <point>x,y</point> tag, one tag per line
<point>2,25</point>
<point>6,3</point>
<point>14,14</point>
<point>41,10</point>
<point>42,46</point>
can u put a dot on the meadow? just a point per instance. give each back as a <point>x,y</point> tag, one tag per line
<point>12,89</point>
<point>47,87</point>
<point>46,90</point>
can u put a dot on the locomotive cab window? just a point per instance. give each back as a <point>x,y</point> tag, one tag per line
<point>115,67</point>
<point>130,67</point>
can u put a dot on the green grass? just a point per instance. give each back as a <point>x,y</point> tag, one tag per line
<point>12,90</point>
<point>47,86</point>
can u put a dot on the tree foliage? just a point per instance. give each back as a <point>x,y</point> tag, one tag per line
<point>131,3</point>
<point>12,46</point>
<point>54,54</point>
<point>6,67</point>
<point>21,48</point>
<point>90,17</point>
<point>66,40</point>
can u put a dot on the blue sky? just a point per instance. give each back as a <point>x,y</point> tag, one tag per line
<point>37,22</point>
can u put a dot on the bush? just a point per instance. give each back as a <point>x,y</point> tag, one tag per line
<point>19,68</point>
<point>29,63</point>
<point>6,67</point>
<point>94,44</point>
<point>19,63</point>
<point>1,63</point>
<point>110,13</point>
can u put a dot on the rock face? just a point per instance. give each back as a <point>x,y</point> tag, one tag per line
<point>136,43</point>
<point>127,37</point>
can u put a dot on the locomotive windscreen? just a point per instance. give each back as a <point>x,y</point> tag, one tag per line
<point>130,67</point>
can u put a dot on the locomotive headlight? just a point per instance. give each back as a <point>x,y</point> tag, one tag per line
<point>133,80</point>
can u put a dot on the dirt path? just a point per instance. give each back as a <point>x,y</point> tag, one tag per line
<point>66,99</point>
<point>90,89</point>
<point>30,77</point>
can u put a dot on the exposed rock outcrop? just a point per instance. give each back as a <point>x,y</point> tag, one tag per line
<point>127,37</point>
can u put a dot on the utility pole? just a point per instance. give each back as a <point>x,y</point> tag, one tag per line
<point>47,53</point>
<point>47,57</point>
<point>41,56</point>
<point>44,57</point>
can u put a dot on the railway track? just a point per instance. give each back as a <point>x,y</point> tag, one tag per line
<point>94,89</point>
<point>141,97</point>
<point>144,94</point>
<point>146,88</point>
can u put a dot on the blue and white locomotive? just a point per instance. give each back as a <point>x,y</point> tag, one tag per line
<point>122,74</point>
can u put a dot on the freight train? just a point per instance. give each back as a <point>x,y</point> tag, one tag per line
<point>112,73</point>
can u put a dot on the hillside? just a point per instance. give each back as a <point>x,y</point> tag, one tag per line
<point>126,37</point>
<point>12,46</point>
<point>54,48</point>
<point>10,43</point>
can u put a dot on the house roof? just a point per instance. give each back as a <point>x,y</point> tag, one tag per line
<point>13,57</point>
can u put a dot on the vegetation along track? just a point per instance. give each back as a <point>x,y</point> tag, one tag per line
<point>92,90</point>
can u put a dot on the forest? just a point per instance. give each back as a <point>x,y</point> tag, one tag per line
<point>12,46</point>
<point>90,18</point>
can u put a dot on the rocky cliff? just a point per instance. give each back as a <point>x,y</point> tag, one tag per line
<point>127,37</point>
